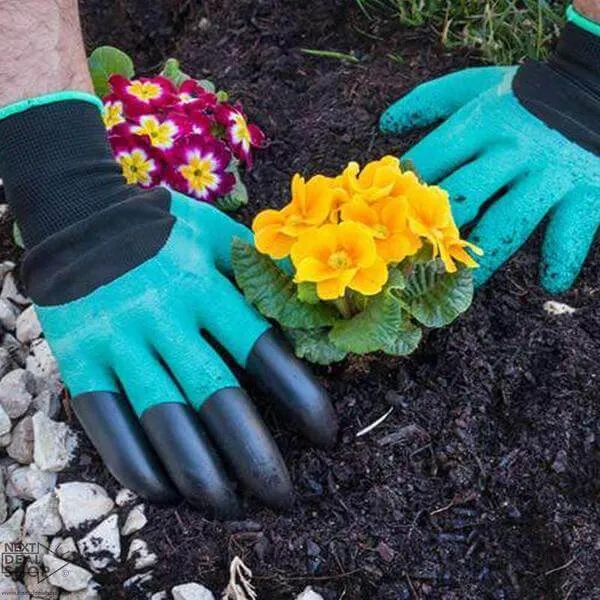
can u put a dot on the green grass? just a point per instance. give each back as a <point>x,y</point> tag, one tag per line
<point>503,31</point>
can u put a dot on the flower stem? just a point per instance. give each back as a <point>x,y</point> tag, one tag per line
<point>343,305</point>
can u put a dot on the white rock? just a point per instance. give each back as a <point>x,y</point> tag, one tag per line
<point>309,594</point>
<point>552,307</point>
<point>21,443</point>
<point>43,365</point>
<point>142,557</point>
<point>64,547</point>
<point>5,422</point>
<point>101,547</point>
<point>47,402</point>
<point>89,593</point>
<point>191,591</point>
<point>66,575</point>
<point>138,581</point>
<point>3,505</point>
<point>28,326</point>
<point>42,517</point>
<point>79,502</point>
<point>136,519</point>
<point>37,584</point>
<point>159,596</point>
<point>8,315</point>
<point>54,443</point>
<point>8,588</point>
<point>10,291</point>
<point>5,439</point>
<point>125,496</point>
<point>10,530</point>
<point>16,390</point>
<point>29,483</point>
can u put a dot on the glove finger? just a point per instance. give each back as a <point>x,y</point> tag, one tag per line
<point>478,181</point>
<point>228,414</point>
<point>508,223</point>
<point>452,144</point>
<point>440,98</point>
<point>117,435</point>
<point>569,236</point>
<point>257,348</point>
<point>175,432</point>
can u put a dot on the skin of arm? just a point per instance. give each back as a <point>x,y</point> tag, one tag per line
<point>41,48</point>
<point>589,8</point>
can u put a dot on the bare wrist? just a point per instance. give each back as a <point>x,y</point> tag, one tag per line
<point>588,8</point>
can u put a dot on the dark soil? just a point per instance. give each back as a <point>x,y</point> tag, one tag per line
<point>484,481</point>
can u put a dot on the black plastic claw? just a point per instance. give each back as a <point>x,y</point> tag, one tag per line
<point>240,434</point>
<point>115,431</point>
<point>189,457</point>
<point>299,394</point>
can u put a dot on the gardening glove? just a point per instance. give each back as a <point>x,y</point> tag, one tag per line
<point>519,145</point>
<point>133,291</point>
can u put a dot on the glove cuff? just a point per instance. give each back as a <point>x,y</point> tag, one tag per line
<point>575,17</point>
<point>564,92</point>
<point>56,163</point>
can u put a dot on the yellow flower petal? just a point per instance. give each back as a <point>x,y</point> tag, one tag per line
<point>371,280</point>
<point>358,242</point>
<point>272,242</point>
<point>312,269</point>
<point>266,218</point>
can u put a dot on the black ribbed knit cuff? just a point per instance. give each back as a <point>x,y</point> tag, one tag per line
<point>57,167</point>
<point>565,92</point>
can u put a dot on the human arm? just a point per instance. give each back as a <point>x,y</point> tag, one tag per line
<point>133,288</point>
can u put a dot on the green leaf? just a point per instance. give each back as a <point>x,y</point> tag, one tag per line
<point>273,292</point>
<point>222,96</point>
<point>237,197</point>
<point>383,325</point>
<point>314,345</point>
<point>307,292</point>
<point>172,71</point>
<point>209,86</point>
<point>17,237</point>
<point>434,297</point>
<point>106,61</point>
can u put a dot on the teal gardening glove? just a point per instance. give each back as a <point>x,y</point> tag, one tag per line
<point>127,283</point>
<point>527,138</point>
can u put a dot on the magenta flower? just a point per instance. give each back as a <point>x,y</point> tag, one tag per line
<point>140,164</point>
<point>198,168</point>
<point>192,97</point>
<point>241,136</point>
<point>144,95</point>
<point>162,131</point>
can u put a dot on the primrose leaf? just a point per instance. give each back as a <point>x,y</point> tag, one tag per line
<point>434,297</point>
<point>237,197</point>
<point>273,292</point>
<point>172,71</point>
<point>208,85</point>
<point>383,325</point>
<point>307,292</point>
<point>314,345</point>
<point>17,237</point>
<point>106,61</point>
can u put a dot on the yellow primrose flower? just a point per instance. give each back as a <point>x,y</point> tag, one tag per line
<point>276,231</point>
<point>387,221</point>
<point>379,179</point>
<point>453,248</point>
<point>112,114</point>
<point>336,257</point>
<point>430,217</point>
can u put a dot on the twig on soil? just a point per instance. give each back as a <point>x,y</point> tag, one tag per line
<point>375,423</point>
<point>556,569</point>
<point>240,582</point>
<point>411,586</point>
<point>437,511</point>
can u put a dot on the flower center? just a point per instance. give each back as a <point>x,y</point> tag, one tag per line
<point>381,231</point>
<point>339,260</point>
<point>199,174</point>
<point>144,91</point>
